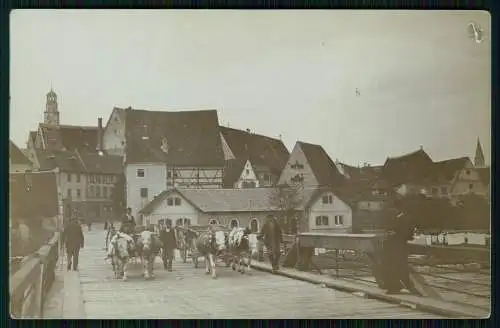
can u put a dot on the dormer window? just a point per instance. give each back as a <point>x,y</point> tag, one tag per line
<point>327,199</point>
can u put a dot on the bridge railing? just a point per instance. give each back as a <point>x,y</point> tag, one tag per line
<point>30,284</point>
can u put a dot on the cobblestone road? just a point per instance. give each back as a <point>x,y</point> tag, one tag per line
<point>189,293</point>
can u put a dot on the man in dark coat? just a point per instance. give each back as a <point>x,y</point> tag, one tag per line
<point>167,237</point>
<point>72,238</point>
<point>128,222</point>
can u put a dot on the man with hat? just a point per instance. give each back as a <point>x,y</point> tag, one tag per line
<point>169,243</point>
<point>72,238</point>
<point>128,222</point>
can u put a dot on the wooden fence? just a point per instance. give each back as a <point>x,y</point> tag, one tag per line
<point>30,284</point>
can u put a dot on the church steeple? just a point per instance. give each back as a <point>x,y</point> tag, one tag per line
<point>479,158</point>
<point>51,114</point>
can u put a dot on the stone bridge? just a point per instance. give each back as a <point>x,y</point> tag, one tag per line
<point>187,292</point>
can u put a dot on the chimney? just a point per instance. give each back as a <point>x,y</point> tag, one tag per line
<point>99,134</point>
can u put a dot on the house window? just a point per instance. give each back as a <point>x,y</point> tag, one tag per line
<point>247,171</point>
<point>234,223</point>
<point>168,221</point>
<point>339,220</point>
<point>177,201</point>
<point>444,191</point>
<point>104,192</point>
<point>254,225</point>
<point>170,202</point>
<point>144,192</point>
<point>213,222</point>
<point>467,172</point>
<point>97,191</point>
<point>434,191</point>
<point>140,173</point>
<point>322,220</point>
<point>327,199</point>
<point>471,186</point>
<point>78,178</point>
<point>69,193</point>
<point>69,177</point>
<point>78,193</point>
<point>169,174</point>
<point>91,191</point>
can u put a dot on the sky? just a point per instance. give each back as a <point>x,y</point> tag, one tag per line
<point>422,80</point>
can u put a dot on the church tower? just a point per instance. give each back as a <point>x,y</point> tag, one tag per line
<point>51,114</point>
<point>479,158</point>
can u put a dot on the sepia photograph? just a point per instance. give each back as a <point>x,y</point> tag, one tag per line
<point>250,164</point>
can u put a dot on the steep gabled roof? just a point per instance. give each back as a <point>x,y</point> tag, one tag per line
<point>192,137</point>
<point>323,167</point>
<point>449,168</point>
<point>67,161</point>
<point>33,195</point>
<point>69,137</point>
<point>17,156</point>
<point>415,167</point>
<point>259,149</point>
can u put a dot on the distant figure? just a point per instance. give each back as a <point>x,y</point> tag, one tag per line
<point>167,237</point>
<point>475,32</point>
<point>106,225</point>
<point>89,225</point>
<point>357,92</point>
<point>72,238</point>
<point>23,236</point>
<point>128,222</point>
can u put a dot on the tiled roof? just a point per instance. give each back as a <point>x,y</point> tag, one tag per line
<point>192,137</point>
<point>260,150</point>
<point>69,137</point>
<point>107,164</point>
<point>324,169</point>
<point>484,174</point>
<point>416,167</point>
<point>225,200</point>
<point>16,156</point>
<point>73,161</point>
<point>447,169</point>
<point>33,195</point>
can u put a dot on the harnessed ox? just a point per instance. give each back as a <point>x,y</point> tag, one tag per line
<point>242,247</point>
<point>272,237</point>
<point>147,248</point>
<point>210,244</point>
<point>120,249</point>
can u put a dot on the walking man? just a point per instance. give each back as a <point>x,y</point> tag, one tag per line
<point>72,237</point>
<point>169,243</point>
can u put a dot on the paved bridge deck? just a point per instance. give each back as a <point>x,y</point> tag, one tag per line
<point>189,293</point>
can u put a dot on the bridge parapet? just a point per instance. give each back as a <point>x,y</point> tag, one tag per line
<point>30,284</point>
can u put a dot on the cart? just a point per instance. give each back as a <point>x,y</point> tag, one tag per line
<point>187,241</point>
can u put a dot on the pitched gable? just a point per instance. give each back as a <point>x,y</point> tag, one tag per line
<point>324,169</point>
<point>448,169</point>
<point>17,156</point>
<point>260,150</point>
<point>191,138</point>
<point>416,167</point>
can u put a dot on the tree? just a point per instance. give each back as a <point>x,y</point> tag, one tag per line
<point>286,199</point>
<point>118,196</point>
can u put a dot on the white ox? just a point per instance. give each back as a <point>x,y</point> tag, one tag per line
<point>242,246</point>
<point>120,249</point>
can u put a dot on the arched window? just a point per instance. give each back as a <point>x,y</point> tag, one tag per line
<point>254,225</point>
<point>213,222</point>
<point>234,223</point>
